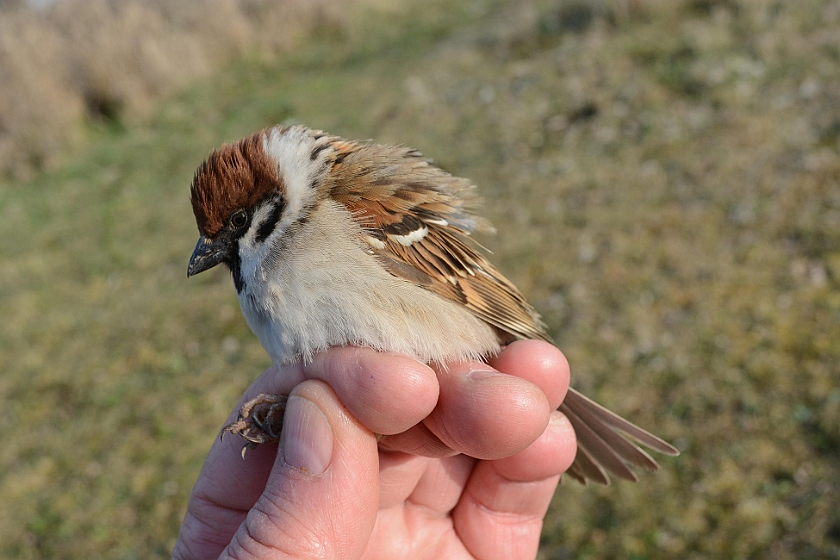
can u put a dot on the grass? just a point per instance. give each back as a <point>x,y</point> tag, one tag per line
<point>75,61</point>
<point>665,180</point>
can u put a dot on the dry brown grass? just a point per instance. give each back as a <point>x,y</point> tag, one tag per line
<point>83,61</point>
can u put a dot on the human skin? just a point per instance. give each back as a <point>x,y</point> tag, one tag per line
<point>470,460</point>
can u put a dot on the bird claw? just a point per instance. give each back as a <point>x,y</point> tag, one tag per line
<point>260,421</point>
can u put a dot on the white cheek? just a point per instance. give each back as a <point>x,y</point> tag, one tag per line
<point>251,251</point>
<point>260,215</point>
<point>248,263</point>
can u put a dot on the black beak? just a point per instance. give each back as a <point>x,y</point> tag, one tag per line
<point>207,254</point>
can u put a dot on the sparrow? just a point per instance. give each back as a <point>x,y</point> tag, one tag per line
<point>336,242</point>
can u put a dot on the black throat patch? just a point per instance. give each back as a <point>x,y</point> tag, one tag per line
<point>235,265</point>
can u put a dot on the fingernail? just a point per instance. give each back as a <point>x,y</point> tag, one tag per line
<point>307,440</point>
<point>481,374</point>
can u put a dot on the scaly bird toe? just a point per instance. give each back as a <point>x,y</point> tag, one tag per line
<point>260,421</point>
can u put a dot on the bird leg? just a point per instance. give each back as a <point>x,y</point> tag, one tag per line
<point>260,421</point>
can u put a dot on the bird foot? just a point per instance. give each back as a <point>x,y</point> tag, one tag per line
<point>260,421</point>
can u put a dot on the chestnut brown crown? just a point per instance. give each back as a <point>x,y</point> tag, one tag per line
<point>235,176</point>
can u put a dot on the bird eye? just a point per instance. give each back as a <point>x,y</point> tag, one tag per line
<point>238,219</point>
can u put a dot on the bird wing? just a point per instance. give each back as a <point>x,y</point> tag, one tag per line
<point>415,219</point>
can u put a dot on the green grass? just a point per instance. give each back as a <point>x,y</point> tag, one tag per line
<point>666,185</point>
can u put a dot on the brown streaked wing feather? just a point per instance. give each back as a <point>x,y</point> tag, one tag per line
<point>380,185</point>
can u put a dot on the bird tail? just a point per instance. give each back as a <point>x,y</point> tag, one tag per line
<point>607,443</point>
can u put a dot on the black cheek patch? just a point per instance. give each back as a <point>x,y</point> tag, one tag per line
<point>267,227</point>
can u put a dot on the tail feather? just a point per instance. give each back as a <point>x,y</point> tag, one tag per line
<point>607,442</point>
<point>585,468</point>
<point>622,447</point>
<point>597,449</point>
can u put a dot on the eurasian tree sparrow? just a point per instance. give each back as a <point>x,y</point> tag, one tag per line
<point>334,242</point>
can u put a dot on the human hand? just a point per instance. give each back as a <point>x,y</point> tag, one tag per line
<point>331,492</point>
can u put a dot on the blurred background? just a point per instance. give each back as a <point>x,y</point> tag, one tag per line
<point>664,176</point>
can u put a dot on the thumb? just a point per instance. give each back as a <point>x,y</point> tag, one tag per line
<point>322,495</point>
